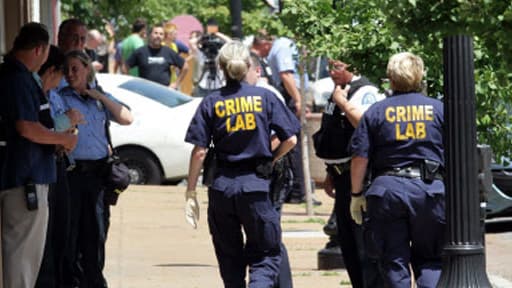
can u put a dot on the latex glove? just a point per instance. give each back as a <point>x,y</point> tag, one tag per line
<point>357,206</point>
<point>191,208</point>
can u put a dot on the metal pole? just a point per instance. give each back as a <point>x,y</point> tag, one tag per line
<point>304,142</point>
<point>464,254</point>
<point>235,7</point>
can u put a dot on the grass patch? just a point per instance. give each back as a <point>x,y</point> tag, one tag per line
<point>330,273</point>
<point>302,274</point>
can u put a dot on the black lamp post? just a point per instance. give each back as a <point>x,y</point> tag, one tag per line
<point>464,254</point>
<point>235,7</point>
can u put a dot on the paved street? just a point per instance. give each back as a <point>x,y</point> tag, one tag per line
<point>151,246</point>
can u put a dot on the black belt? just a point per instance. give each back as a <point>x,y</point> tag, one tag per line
<point>406,172</point>
<point>249,164</point>
<point>338,168</point>
<point>89,166</point>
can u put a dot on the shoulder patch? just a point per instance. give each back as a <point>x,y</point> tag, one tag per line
<point>368,98</point>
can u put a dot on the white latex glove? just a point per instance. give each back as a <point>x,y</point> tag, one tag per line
<point>357,206</point>
<point>191,208</point>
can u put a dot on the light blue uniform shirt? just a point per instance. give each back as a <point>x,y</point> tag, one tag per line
<point>92,138</point>
<point>284,56</point>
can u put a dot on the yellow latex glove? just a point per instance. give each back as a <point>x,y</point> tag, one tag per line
<point>191,208</point>
<point>357,206</point>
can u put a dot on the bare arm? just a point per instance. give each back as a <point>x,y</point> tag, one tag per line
<point>353,112</point>
<point>274,142</point>
<point>124,67</point>
<point>121,114</point>
<point>37,133</point>
<point>284,148</point>
<point>357,173</point>
<point>223,37</point>
<point>183,72</point>
<point>289,84</point>
<point>194,168</point>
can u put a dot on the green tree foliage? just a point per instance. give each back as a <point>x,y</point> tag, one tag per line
<point>365,33</point>
<point>122,13</point>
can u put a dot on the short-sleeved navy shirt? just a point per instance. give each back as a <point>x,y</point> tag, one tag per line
<point>155,64</point>
<point>26,161</point>
<point>239,118</point>
<point>400,130</point>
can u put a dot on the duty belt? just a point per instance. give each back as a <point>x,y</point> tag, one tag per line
<point>338,168</point>
<point>90,166</point>
<point>407,172</point>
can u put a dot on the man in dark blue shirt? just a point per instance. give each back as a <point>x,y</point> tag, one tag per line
<point>28,164</point>
<point>155,61</point>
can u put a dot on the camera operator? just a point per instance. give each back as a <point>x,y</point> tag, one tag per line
<point>205,48</point>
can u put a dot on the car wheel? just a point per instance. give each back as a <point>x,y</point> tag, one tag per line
<point>142,165</point>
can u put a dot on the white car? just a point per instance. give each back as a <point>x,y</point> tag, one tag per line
<point>153,146</point>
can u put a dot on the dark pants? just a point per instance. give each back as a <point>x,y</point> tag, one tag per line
<point>297,191</point>
<point>57,237</point>
<point>253,212</point>
<point>280,184</point>
<point>407,221</point>
<point>85,256</point>
<point>363,271</point>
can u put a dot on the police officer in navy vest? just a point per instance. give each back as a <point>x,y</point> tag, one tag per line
<point>238,119</point>
<point>353,94</point>
<point>402,138</point>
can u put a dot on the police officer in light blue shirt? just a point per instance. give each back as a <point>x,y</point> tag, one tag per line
<point>283,58</point>
<point>401,137</point>
<point>86,180</point>
<point>238,119</point>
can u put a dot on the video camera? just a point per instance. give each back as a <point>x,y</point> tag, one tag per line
<point>210,44</point>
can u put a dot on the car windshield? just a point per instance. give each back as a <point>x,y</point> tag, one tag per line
<point>157,92</point>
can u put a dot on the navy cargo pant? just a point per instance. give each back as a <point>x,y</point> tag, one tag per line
<point>253,212</point>
<point>407,220</point>
<point>279,185</point>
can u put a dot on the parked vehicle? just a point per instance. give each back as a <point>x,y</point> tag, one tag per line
<point>499,200</point>
<point>153,147</point>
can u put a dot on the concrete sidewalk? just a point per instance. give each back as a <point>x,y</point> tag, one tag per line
<point>150,245</point>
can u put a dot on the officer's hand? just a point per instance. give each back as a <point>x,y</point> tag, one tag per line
<point>69,141</point>
<point>340,95</point>
<point>357,206</point>
<point>191,208</point>
<point>328,187</point>
<point>95,94</point>
<point>75,117</point>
